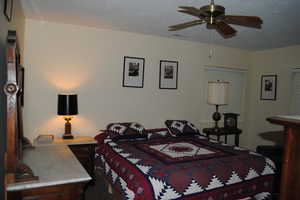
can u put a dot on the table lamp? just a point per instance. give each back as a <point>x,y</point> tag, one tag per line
<point>67,107</point>
<point>217,95</point>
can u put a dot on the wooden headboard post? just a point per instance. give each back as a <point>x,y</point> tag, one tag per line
<point>16,171</point>
<point>11,89</point>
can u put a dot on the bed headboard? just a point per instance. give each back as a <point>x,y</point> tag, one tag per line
<point>16,171</point>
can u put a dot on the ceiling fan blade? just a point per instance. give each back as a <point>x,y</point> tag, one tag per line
<point>249,21</point>
<point>188,8</point>
<point>192,11</point>
<point>189,13</point>
<point>225,30</point>
<point>185,25</point>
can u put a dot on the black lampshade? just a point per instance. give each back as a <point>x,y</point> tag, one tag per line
<point>67,104</point>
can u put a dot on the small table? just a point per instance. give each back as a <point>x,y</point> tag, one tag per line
<point>224,131</point>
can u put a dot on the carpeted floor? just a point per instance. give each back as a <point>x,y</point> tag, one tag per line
<point>98,191</point>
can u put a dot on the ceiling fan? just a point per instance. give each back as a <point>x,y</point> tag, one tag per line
<point>215,18</point>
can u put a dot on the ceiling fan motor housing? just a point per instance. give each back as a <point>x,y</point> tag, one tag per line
<point>213,13</point>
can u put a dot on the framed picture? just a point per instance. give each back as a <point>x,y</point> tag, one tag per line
<point>133,72</point>
<point>268,87</point>
<point>8,9</point>
<point>168,74</point>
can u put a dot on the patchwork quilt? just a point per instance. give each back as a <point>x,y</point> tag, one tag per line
<point>192,168</point>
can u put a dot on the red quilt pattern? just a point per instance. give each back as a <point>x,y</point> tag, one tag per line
<point>184,168</point>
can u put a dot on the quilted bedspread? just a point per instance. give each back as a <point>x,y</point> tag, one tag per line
<point>185,168</point>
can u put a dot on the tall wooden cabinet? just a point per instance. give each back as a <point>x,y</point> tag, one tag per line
<point>290,176</point>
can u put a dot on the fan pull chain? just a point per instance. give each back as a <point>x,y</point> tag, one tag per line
<point>210,45</point>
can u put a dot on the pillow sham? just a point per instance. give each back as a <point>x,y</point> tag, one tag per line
<point>158,133</point>
<point>181,128</point>
<point>125,128</point>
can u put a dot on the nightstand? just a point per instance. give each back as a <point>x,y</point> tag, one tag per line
<point>225,132</point>
<point>83,147</point>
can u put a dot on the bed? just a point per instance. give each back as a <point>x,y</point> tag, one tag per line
<point>162,165</point>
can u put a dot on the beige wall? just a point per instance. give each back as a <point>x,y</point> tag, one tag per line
<point>279,62</point>
<point>89,61</point>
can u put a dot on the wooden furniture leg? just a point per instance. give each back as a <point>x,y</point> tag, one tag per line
<point>237,140</point>
<point>289,188</point>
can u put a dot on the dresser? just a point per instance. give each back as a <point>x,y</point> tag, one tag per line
<point>83,147</point>
<point>61,176</point>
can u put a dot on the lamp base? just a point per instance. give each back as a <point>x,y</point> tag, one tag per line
<point>68,133</point>
<point>68,136</point>
<point>216,117</point>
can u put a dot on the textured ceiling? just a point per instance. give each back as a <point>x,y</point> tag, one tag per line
<point>281,25</point>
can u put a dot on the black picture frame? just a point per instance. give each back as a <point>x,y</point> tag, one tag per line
<point>8,9</point>
<point>133,72</point>
<point>168,74</point>
<point>268,87</point>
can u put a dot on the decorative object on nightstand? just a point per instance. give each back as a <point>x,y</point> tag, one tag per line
<point>67,106</point>
<point>217,95</point>
<point>45,138</point>
<point>230,120</point>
